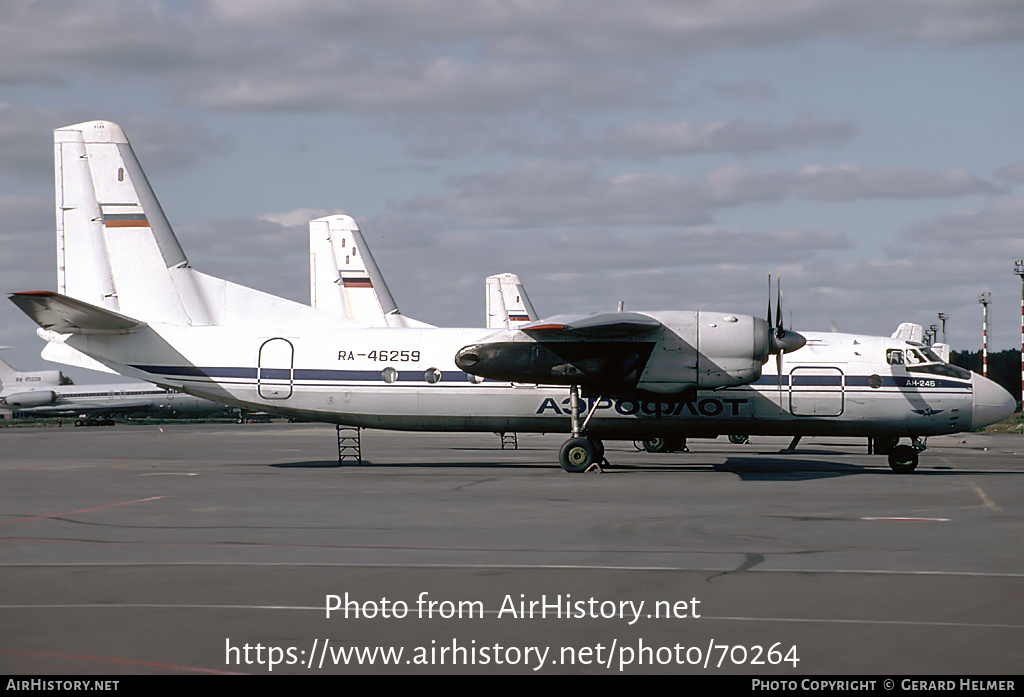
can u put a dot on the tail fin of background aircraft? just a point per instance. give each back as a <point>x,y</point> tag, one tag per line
<point>117,251</point>
<point>344,279</point>
<point>508,306</point>
<point>908,331</point>
<point>11,378</point>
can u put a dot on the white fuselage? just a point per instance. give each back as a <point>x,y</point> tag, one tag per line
<point>406,379</point>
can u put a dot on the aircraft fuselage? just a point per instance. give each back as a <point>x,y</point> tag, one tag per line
<point>406,379</point>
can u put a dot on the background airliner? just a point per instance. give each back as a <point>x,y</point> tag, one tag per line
<point>48,393</point>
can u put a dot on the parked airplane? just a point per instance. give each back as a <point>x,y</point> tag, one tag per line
<point>45,394</point>
<point>128,297</point>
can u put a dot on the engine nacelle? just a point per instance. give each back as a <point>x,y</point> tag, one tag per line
<point>27,400</point>
<point>705,350</point>
<point>660,352</point>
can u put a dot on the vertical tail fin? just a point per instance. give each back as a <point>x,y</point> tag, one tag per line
<point>6,370</point>
<point>508,306</point>
<point>344,279</point>
<point>114,244</point>
<point>11,378</point>
<point>908,331</point>
<point>117,251</point>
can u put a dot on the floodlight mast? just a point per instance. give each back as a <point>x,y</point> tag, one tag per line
<point>942,318</point>
<point>984,299</point>
<point>1018,268</point>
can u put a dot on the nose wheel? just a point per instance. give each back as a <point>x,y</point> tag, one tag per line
<point>903,459</point>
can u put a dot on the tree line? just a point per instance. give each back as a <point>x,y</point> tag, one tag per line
<point>1003,367</point>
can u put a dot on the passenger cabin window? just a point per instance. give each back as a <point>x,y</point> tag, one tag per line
<point>894,357</point>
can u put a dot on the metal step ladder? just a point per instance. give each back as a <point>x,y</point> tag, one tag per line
<point>509,441</point>
<point>350,450</point>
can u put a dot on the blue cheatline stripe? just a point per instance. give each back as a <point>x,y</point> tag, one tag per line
<point>328,375</point>
<point>817,380</point>
<point>770,380</point>
<point>190,371</point>
<point>860,381</point>
<point>304,374</point>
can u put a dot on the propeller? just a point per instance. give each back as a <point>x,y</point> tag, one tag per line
<point>780,340</point>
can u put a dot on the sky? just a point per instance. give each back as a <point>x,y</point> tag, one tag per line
<point>666,153</point>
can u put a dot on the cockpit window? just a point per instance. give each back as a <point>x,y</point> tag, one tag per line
<point>894,357</point>
<point>915,357</point>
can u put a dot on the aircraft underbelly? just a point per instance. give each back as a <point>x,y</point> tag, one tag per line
<point>537,409</point>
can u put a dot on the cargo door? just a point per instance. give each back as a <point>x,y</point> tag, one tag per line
<point>816,391</point>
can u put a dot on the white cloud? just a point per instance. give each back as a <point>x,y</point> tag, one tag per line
<point>455,54</point>
<point>299,217</point>
<point>556,194</point>
<point>654,140</point>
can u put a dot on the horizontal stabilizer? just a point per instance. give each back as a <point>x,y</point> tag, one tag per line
<point>70,316</point>
<point>608,325</point>
<point>56,351</point>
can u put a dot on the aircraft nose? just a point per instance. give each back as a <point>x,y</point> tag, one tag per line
<point>991,402</point>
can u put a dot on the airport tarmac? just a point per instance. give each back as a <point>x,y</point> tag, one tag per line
<point>217,548</point>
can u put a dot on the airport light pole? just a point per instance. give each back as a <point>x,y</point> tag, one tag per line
<point>942,318</point>
<point>984,299</point>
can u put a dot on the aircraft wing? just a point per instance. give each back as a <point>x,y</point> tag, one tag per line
<point>607,325</point>
<point>66,315</point>
<point>661,352</point>
<point>607,349</point>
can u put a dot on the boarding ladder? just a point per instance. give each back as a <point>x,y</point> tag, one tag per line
<point>349,448</point>
<point>509,441</point>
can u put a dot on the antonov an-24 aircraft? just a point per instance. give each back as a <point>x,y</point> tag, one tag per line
<point>128,298</point>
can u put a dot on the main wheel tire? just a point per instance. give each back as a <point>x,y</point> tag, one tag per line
<point>903,459</point>
<point>739,440</point>
<point>577,455</point>
<point>663,445</point>
<point>654,445</point>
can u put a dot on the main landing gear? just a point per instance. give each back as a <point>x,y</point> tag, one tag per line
<point>580,453</point>
<point>664,445</point>
<point>89,421</point>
